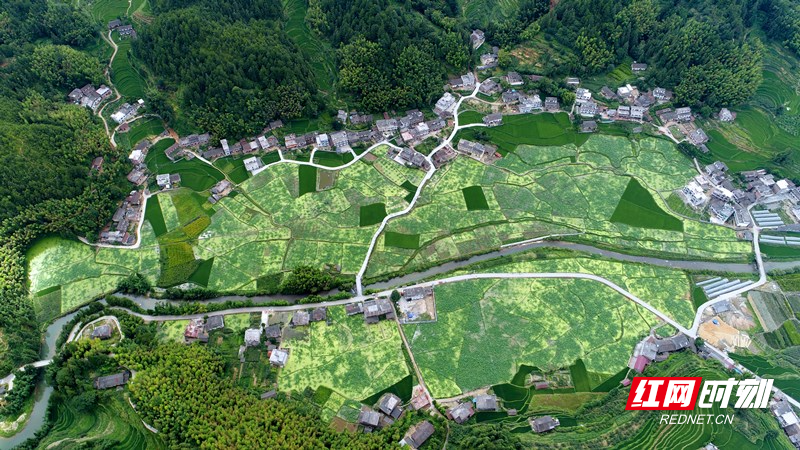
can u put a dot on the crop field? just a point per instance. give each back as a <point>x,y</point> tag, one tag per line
<point>348,356</point>
<point>195,174</point>
<point>545,323</point>
<point>371,214</point>
<point>486,11</point>
<point>542,191</point>
<point>468,117</point>
<point>474,198</point>
<point>141,129</point>
<point>308,179</point>
<point>81,273</point>
<point>128,81</point>
<point>400,240</point>
<point>234,168</point>
<point>112,422</point>
<point>638,209</point>
<point>786,377</point>
<point>531,129</point>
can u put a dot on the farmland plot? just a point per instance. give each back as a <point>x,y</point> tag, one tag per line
<point>545,323</point>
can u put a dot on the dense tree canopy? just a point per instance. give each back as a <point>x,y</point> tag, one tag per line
<point>232,65</point>
<point>702,48</point>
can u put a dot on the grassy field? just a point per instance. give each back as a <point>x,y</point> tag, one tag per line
<point>106,10</point>
<point>233,168</point>
<point>351,358</point>
<point>531,129</point>
<point>544,323</point>
<point>486,11</point>
<point>195,174</point>
<point>541,191</point>
<point>638,209</point>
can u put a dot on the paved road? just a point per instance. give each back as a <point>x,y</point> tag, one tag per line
<point>428,175</point>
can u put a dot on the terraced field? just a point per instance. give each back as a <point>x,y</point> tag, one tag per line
<point>319,53</point>
<point>128,81</point>
<point>557,190</point>
<point>112,423</point>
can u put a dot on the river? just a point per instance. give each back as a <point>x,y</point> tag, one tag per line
<point>43,391</point>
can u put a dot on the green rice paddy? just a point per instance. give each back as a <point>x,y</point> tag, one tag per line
<point>372,214</point>
<point>400,240</point>
<point>195,174</point>
<point>530,129</point>
<point>638,209</point>
<point>308,179</point>
<point>475,198</point>
<point>128,81</point>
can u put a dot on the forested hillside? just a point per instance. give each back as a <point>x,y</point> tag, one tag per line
<point>230,63</point>
<point>393,55</point>
<point>705,49</point>
<point>46,149</point>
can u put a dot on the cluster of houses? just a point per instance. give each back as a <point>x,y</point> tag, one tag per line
<point>127,111</point>
<point>126,31</point>
<point>787,419</point>
<point>90,97</point>
<point>197,329</point>
<point>481,152</point>
<point>652,349</point>
<point>728,200</point>
<point>125,222</point>
<point>388,409</point>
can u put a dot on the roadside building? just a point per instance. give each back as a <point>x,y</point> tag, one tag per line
<point>486,402</point>
<point>319,314</point>
<point>418,434</point>
<point>588,109</point>
<point>375,310</point>
<point>490,87</point>
<point>252,164</point>
<point>551,104</point>
<point>461,413</point>
<point>493,120</point>
<point>214,323</point>
<point>110,381</point>
<point>300,319</point>
<point>445,106</point>
<point>354,308</point>
<point>544,424</point>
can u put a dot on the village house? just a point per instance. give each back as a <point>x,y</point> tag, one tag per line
<point>252,164</point>
<point>662,94</point>
<point>511,96</point>
<point>416,293</point>
<point>127,31</point>
<point>698,136</point>
<point>514,79</point>
<point>195,330</point>
<point>97,163</point>
<point>589,126</point>
<point>102,332</point>
<point>582,95</point>
<point>214,323</point>
<point>354,308</point>
<point>195,140</point>
<point>637,112</point>
<point>300,318</point>
<point>477,38</point>
<point>339,139</point>
<point>466,81</point>
<point>645,100</point>
<point>726,115</point>
<point>417,435</point>
<point>374,310</point>
<point>137,176</point>
<point>114,24</point>
<point>412,117</point>
<point>269,394</point>
<point>275,124</point>
<point>322,142</point>
<point>551,104</point>
<point>638,67</point>
<point>588,109</point>
<point>486,402</point>
<point>490,87</point>
<point>694,194</point>
<point>445,105</point>
<point>493,120</point>
<point>573,81</point>
<point>443,156</point>
<point>125,112</point>
<point>391,405</point>
<point>624,112</point>
<point>110,381</point>
<point>606,92</point>
<point>473,149</point>
<point>543,424</point>
<point>461,413</point>
<point>369,419</point>
<point>528,104</point>
<point>683,114</point>
<point>319,314</point>
<point>360,119</point>
<point>341,116</point>
<point>386,126</point>
<point>273,332</point>
<point>488,61</point>
<point>252,337</point>
<point>278,357</point>
<point>220,190</point>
